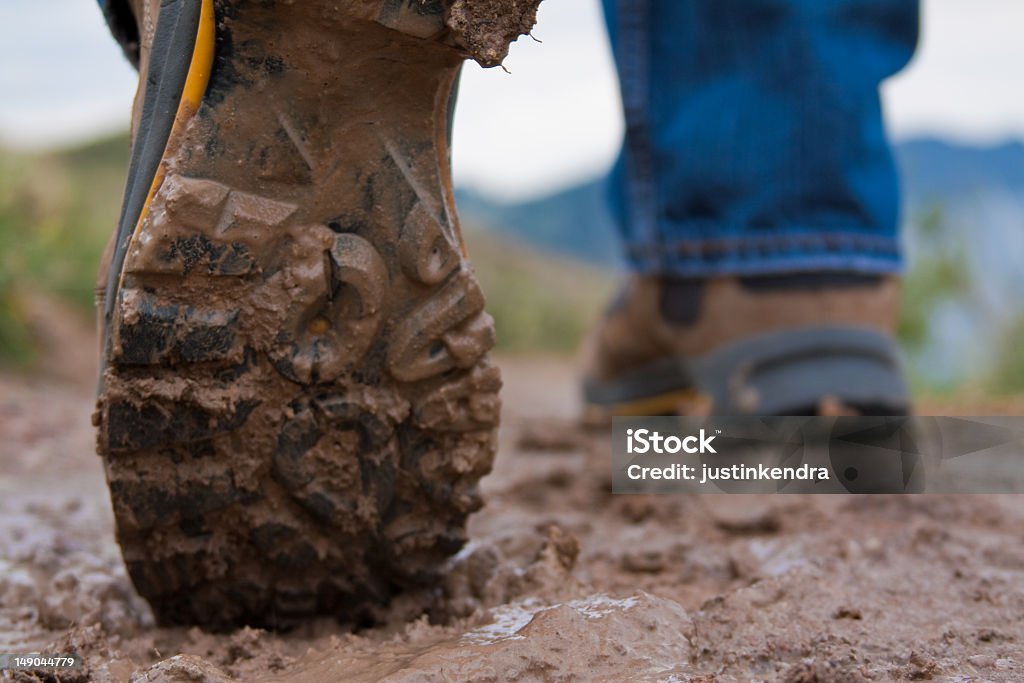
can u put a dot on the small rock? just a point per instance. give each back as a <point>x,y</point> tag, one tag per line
<point>560,548</point>
<point>982,661</point>
<point>920,668</point>
<point>747,521</point>
<point>644,562</point>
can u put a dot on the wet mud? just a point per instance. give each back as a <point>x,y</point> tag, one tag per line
<point>560,581</point>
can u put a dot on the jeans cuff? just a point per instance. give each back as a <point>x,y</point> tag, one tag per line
<point>765,255</point>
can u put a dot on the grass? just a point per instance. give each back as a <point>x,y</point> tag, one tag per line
<point>1008,369</point>
<point>539,302</point>
<point>57,210</point>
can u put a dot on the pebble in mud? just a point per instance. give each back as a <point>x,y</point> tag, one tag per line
<point>744,518</point>
<point>920,668</point>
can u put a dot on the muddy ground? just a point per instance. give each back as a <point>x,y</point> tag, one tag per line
<point>562,581</point>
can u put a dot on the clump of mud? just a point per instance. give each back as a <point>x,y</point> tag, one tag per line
<point>486,28</point>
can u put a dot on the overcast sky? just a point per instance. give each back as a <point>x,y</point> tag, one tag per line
<point>553,120</point>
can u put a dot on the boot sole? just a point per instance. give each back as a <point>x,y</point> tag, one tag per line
<point>297,402</point>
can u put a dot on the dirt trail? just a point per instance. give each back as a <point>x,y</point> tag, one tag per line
<point>562,580</point>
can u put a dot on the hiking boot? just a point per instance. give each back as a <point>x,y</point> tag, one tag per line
<point>296,401</point>
<point>801,344</point>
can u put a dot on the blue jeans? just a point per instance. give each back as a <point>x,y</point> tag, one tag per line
<point>754,138</point>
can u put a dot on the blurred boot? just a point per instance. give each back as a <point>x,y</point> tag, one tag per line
<point>798,344</point>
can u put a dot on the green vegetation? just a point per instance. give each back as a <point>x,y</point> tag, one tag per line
<point>539,302</point>
<point>933,279</point>
<point>938,275</point>
<point>56,212</point>
<point>1008,368</point>
<point>15,344</point>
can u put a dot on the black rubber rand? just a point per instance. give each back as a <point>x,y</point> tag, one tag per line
<point>166,72</point>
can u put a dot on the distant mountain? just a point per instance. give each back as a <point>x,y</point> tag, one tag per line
<point>574,223</point>
<point>936,170</point>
